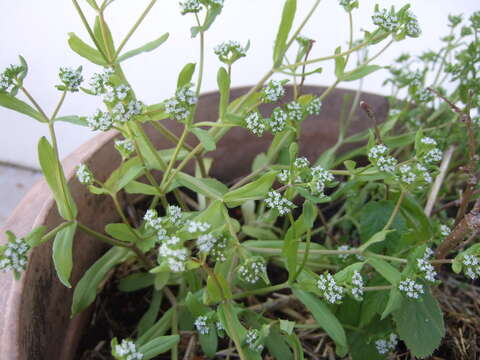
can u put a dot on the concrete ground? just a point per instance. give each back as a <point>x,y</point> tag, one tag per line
<point>14,183</point>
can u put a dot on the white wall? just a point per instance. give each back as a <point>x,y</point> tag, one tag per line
<point>39,32</point>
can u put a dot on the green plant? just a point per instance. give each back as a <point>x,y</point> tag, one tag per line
<point>357,252</point>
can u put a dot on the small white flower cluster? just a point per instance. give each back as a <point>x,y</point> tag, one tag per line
<point>301,163</point>
<point>329,288</point>
<point>278,120</point>
<point>190,6</point>
<point>217,253</point>
<point>111,94</point>
<point>412,26</point>
<point>433,156</point>
<point>386,20</point>
<point>125,147</point>
<point>379,157</point>
<point>424,266</point>
<point>71,78</point>
<point>385,346</point>
<point>84,175</point>
<point>428,141</point>
<point>152,220</point>
<point>346,256</point>
<point>314,106</point>
<point>230,51</point>
<point>127,351</point>
<point>412,289</point>
<point>357,286</point>
<point>197,226</point>
<point>273,91</point>
<point>201,324</point>
<point>174,253</point>
<point>14,256</point>
<point>180,106</point>
<point>206,242</point>
<point>252,339</point>
<point>275,200</point>
<point>445,230</point>
<point>8,77</point>
<point>406,174</point>
<point>321,178</point>
<point>471,265</point>
<point>294,111</point>
<point>423,172</point>
<point>123,113</point>
<point>100,121</point>
<point>174,215</point>
<point>100,82</point>
<point>253,270</point>
<point>255,123</point>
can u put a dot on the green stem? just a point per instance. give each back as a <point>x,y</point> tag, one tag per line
<point>54,232</point>
<point>134,28</point>
<point>306,253</point>
<point>395,211</point>
<point>32,100</point>
<point>264,290</point>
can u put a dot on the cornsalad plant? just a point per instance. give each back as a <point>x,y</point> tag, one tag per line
<point>360,235</point>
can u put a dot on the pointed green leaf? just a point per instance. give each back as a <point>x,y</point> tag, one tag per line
<point>158,346</point>
<point>10,102</point>
<point>288,15</point>
<point>207,140</point>
<point>223,81</point>
<point>148,319</point>
<point>360,72</point>
<point>62,253</point>
<point>255,190</point>
<point>391,274</point>
<point>145,48</point>
<point>185,76</point>
<point>211,188</point>
<point>85,50</point>
<point>378,237</point>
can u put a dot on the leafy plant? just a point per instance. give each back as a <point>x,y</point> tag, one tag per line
<point>359,236</point>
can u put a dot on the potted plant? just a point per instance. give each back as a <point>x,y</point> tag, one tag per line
<point>283,250</point>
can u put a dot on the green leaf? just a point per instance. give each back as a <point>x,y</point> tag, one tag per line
<point>53,173</point>
<point>62,253</point>
<point>360,72</point>
<point>394,302</point>
<point>420,325</point>
<point>85,50</point>
<point>257,232</point>
<point>252,191</point>
<point>212,13</point>
<point>378,237</point>
<point>277,345</point>
<point>145,48</point>
<point>99,36</point>
<point>128,171</point>
<point>374,302</point>
<point>73,119</point>
<point>209,343</point>
<point>339,64</point>
<point>185,76</point>
<point>211,188</point>
<point>214,293</point>
<point>324,317</point>
<point>120,231</point>
<point>136,281</point>
<point>88,286</point>
<point>135,187</point>
<point>207,140</point>
<point>149,317</point>
<point>287,326</point>
<point>10,102</point>
<point>158,329</point>
<point>158,346</point>
<point>288,15</point>
<point>34,237</point>
<point>223,81</point>
<point>391,274</point>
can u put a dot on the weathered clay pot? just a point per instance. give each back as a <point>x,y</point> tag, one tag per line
<point>35,311</point>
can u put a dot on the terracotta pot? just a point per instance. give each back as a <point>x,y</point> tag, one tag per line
<point>35,311</point>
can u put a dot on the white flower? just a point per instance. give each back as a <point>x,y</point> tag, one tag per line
<point>471,265</point>
<point>332,292</point>
<point>109,95</point>
<point>175,256</point>
<point>424,266</point>
<point>14,256</point>
<point>152,220</point>
<point>273,91</point>
<point>251,339</point>
<point>230,51</point>
<point>278,120</point>
<point>412,289</point>
<point>217,253</point>
<point>201,325</point>
<point>295,111</point>
<point>190,6</point>
<point>386,20</point>
<point>378,151</point>
<point>301,163</point>
<point>121,92</point>
<point>100,121</point>
<point>126,147</point>
<point>407,175</point>
<point>255,123</point>
<point>253,270</point>
<point>428,141</point>
<point>179,107</point>
<point>445,230</point>
<point>283,176</point>
<point>385,346</point>
<point>134,108</point>
<point>197,226</point>
<point>314,106</point>
<point>206,242</point>
<point>84,175</point>
<point>127,351</point>
<point>71,78</point>
<point>100,81</point>
<point>357,286</point>
<point>276,201</point>
<point>174,214</point>
<point>413,27</point>
<point>434,155</point>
